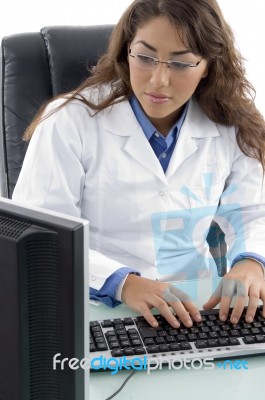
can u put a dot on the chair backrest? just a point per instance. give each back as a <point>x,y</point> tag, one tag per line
<point>38,66</point>
<point>34,68</point>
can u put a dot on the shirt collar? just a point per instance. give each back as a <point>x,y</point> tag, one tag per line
<point>148,127</point>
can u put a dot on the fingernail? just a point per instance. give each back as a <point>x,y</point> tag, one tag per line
<point>249,319</point>
<point>198,317</point>
<point>176,324</point>
<point>189,323</point>
<point>155,324</point>
<point>234,320</point>
<point>223,317</point>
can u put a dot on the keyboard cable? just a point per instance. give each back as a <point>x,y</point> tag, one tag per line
<point>122,386</point>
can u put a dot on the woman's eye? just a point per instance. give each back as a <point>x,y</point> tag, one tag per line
<point>179,65</point>
<point>145,59</point>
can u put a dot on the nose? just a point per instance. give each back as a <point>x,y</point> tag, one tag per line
<point>160,76</point>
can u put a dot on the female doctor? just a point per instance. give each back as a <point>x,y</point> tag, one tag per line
<point>162,139</point>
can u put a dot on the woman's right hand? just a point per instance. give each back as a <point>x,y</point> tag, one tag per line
<point>141,294</point>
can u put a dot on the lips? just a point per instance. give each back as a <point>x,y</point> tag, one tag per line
<point>157,98</point>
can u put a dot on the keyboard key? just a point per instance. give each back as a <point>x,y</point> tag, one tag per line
<point>112,339</point>
<point>233,341</point>
<point>139,350</point>
<point>213,342</point>
<point>152,349</point>
<point>202,335</point>
<point>149,341</point>
<point>96,329</point>
<point>102,346</point>
<point>235,333</point>
<point>146,332</point>
<point>192,337</point>
<point>128,321</point>
<point>136,342</point>
<point>107,323</point>
<point>132,331</point>
<point>134,336</point>
<point>255,331</point>
<point>260,338</point>
<point>121,331</point>
<point>118,326</point>
<point>97,334</point>
<point>114,345</point>
<point>185,346</point>
<point>174,346</point>
<point>215,328</point>
<point>181,338</point>
<point>117,321</point>
<point>223,341</point>
<point>183,331</point>
<point>92,348</point>
<point>213,335</point>
<point>128,351</point>
<point>94,323</point>
<point>245,332</point>
<point>123,337</point>
<point>173,332</point>
<point>117,353</point>
<point>163,347</point>
<point>162,334</point>
<point>125,343</point>
<point>212,317</point>
<point>201,344</point>
<point>224,334</point>
<point>160,340</point>
<point>100,340</point>
<point>170,339</point>
<point>249,339</point>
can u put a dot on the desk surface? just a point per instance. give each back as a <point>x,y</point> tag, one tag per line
<point>215,384</point>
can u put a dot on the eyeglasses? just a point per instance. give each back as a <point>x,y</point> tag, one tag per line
<point>147,62</point>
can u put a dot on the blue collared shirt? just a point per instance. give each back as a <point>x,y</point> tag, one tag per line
<point>163,148</point>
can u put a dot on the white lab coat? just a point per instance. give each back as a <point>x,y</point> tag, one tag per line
<point>103,169</point>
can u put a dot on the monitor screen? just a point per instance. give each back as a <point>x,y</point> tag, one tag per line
<point>43,303</point>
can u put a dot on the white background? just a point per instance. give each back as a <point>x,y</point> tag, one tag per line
<point>245,17</point>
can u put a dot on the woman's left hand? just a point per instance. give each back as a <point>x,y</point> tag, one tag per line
<point>245,279</point>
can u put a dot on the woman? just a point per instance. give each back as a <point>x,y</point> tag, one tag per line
<point>162,139</point>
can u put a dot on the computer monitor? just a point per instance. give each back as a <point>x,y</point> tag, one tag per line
<point>43,303</point>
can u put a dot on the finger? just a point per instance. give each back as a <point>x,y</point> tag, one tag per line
<point>185,299</point>
<point>241,298</point>
<point>228,291</point>
<point>215,297</point>
<point>164,309</point>
<point>174,301</point>
<point>182,313</point>
<point>146,313</point>
<point>254,295</point>
<point>262,296</point>
<point>182,296</point>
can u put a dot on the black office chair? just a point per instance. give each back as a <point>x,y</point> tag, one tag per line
<point>38,66</point>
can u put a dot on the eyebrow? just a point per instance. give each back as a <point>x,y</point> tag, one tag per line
<point>173,53</point>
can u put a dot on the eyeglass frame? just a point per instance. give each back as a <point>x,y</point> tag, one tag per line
<point>168,63</point>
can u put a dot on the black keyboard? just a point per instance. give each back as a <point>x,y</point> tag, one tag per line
<point>134,337</point>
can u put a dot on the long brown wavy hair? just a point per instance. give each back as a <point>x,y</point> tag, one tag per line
<point>225,95</point>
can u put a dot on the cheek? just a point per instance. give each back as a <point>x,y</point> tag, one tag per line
<point>138,78</point>
<point>186,84</point>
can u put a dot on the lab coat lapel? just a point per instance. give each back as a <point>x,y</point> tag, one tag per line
<point>121,121</point>
<point>196,125</point>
